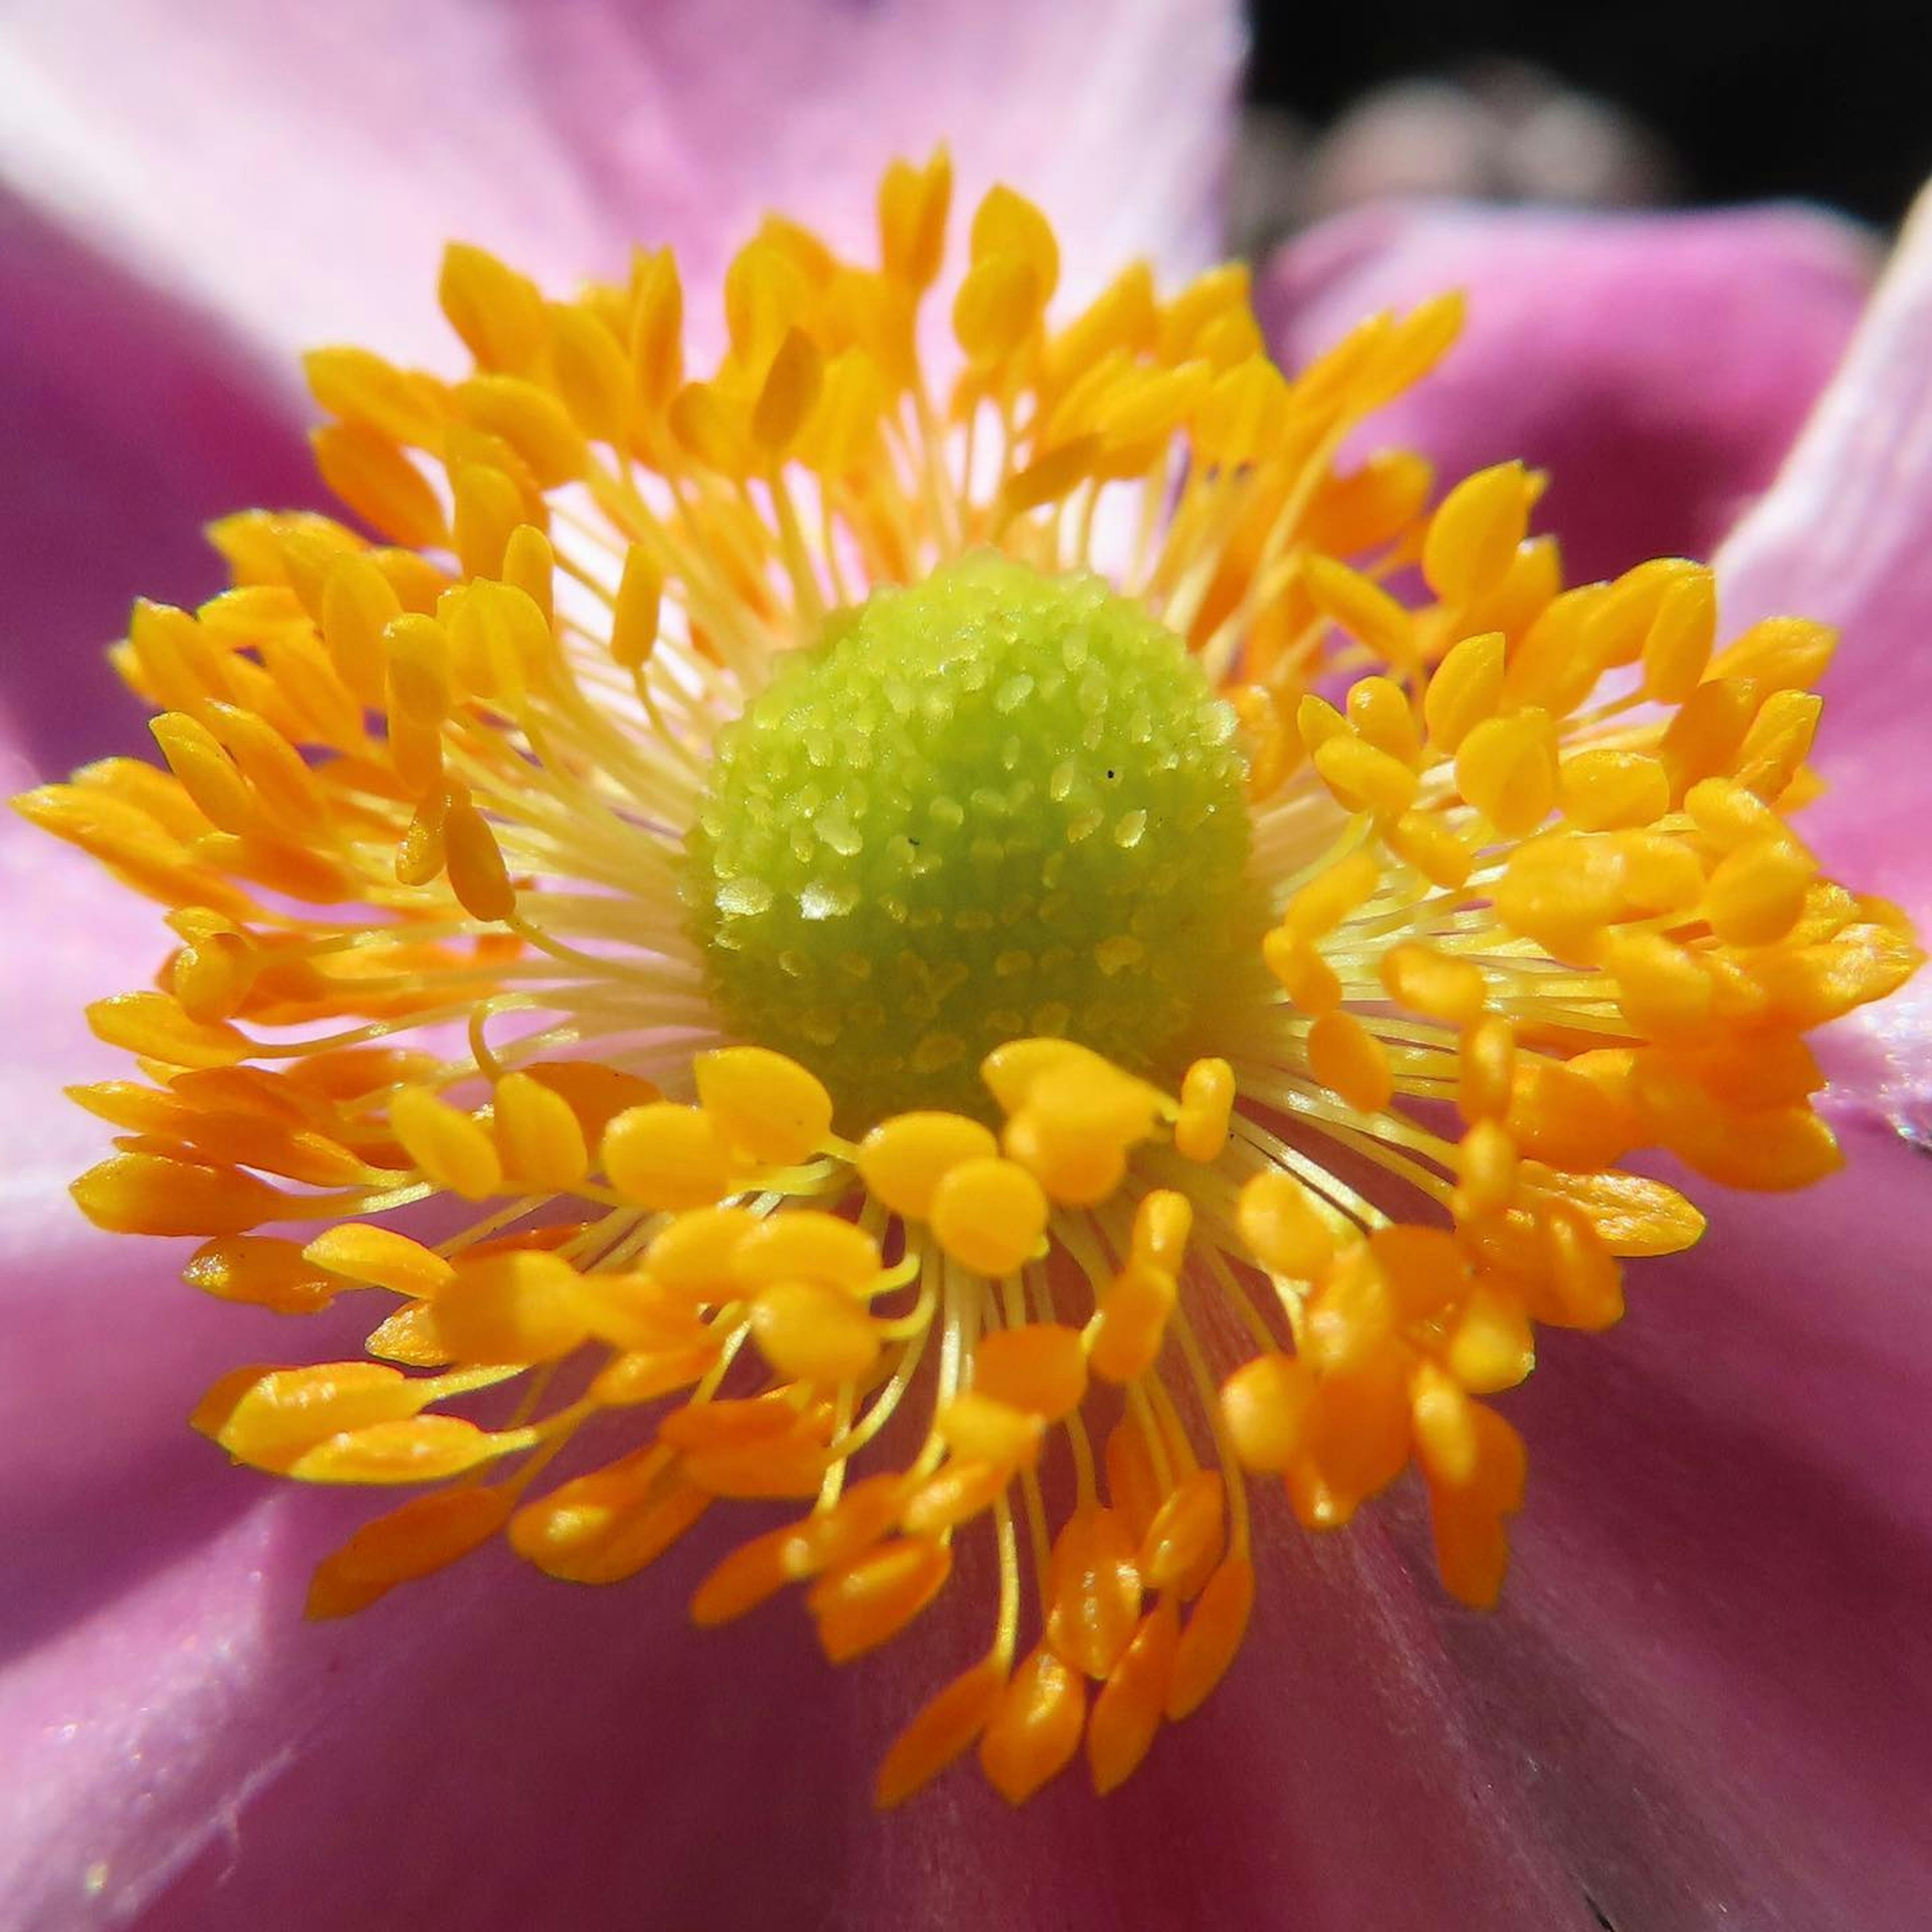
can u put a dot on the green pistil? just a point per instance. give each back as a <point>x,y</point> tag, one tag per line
<point>993,805</point>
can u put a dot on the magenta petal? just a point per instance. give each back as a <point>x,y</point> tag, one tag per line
<point>493,1750</point>
<point>1658,365</point>
<point>128,420</point>
<point>1713,1657</point>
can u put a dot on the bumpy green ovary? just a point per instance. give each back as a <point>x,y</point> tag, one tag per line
<point>993,805</point>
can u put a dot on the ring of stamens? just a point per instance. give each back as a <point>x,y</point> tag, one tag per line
<point>1532,903</point>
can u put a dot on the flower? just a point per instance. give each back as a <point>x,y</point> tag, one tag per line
<point>243,530</point>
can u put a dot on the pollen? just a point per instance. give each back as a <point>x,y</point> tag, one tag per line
<point>995,948</point>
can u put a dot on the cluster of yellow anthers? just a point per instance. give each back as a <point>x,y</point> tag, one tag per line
<point>1529,898</point>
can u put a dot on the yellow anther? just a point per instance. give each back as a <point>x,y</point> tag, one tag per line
<point>1362,608</point>
<point>998,305</point>
<point>913,202</point>
<point>805,1244</point>
<point>666,1157</point>
<point>157,1027</point>
<point>1304,976</point>
<point>1182,1544</point>
<point>1040,1368</point>
<point>692,1256</point>
<point>903,1160</point>
<point>1035,1728</point>
<point>591,373</point>
<point>989,1214</point>
<point>1207,1106</point>
<point>1323,904</point>
<point>380,484</point>
<point>1283,1229</point>
<point>858,1608</point>
<point>1126,1333</point>
<point>498,312</point>
<point>1665,991</point>
<point>1779,654</point>
<point>1127,1712</point>
<point>1006,223</point>
<point>489,509</point>
<point>980,1430</point>
<point>945,1727</point>
<point>1379,709</point>
<point>1162,1224</point>
<point>1350,1061</point>
<point>766,1105</point>
<point>1473,534</point>
<point>1013,1070</point>
<point>540,1139</point>
<point>425,1534</point>
<point>271,1418</point>
<point>1507,770</point>
<point>1445,1428</point>
<point>1730,814</point>
<point>477,874</point>
<point>531,420</point>
<point>812,1333</point>
<point>379,1256</point>
<point>403,405</point>
<point>452,1148</point>
<point>1079,1164</point>
<point>263,1271</point>
<point>1677,647</point>
<point>714,426</point>
<point>634,623</point>
<point>958,1493</point>
<point>357,604</point>
<point>790,392</point>
<point>1756,894</point>
<point>655,335</point>
<point>1435,983</point>
<point>1604,791</point>
<point>1210,1636</point>
<point>1703,740</point>
<point>1266,1405</point>
<point>1486,1068</point>
<point>1485,1170</point>
<point>1353,1316</point>
<point>1241,417</point>
<point>1490,1347</point>
<point>1464,689</point>
<point>1094,1591</point>
<point>518,1306</point>
<point>1363,778</point>
<point>1435,848</point>
<point>207,773</point>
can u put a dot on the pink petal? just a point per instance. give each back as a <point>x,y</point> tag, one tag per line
<point>1712,1659</point>
<point>298,169</point>
<point>1658,365</point>
<point>1842,536</point>
<point>498,1751</point>
<point>129,419</point>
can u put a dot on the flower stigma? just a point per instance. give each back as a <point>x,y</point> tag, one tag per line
<point>941,966</point>
<point>993,804</point>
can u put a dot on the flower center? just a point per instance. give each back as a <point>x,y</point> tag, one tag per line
<point>992,805</point>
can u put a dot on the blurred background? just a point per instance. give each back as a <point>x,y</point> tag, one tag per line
<point>1640,103</point>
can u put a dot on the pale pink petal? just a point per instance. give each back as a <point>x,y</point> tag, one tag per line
<point>299,169</point>
<point>1658,365</point>
<point>1846,535</point>
<point>129,418</point>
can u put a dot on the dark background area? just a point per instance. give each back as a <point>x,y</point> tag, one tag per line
<point>1828,102</point>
